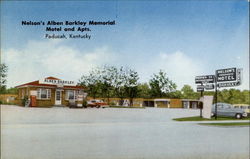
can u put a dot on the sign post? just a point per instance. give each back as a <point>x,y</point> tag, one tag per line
<point>229,77</point>
<point>200,88</point>
<point>215,115</point>
<point>204,81</point>
<point>201,105</point>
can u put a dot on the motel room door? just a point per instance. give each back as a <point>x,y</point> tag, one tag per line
<point>58,97</point>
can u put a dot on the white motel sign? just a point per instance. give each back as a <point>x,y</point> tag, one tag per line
<point>224,75</point>
<point>57,82</point>
<point>229,77</point>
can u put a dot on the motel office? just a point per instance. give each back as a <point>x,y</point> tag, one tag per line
<point>52,91</point>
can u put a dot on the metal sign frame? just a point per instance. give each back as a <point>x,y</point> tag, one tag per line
<point>229,77</point>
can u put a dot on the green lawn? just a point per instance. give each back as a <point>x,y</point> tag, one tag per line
<point>227,124</point>
<point>198,118</point>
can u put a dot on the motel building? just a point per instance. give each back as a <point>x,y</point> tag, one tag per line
<point>51,91</point>
<point>155,102</point>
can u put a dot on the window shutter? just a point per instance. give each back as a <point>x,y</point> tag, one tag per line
<point>48,93</point>
<point>38,93</point>
<point>66,95</point>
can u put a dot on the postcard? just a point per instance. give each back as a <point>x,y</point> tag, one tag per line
<point>125,79</point>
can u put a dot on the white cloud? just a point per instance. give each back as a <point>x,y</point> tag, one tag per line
<point>179,67</point>
<point>51,58</point>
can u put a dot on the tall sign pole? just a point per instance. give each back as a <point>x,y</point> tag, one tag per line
<point>201,105</point>
<point>205,83</point>
<point>229,77</point>
<point>215,115</point>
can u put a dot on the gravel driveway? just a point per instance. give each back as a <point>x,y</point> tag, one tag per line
<point>113,133</point>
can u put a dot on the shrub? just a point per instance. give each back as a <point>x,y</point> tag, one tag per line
<point>24,100</point>
<point>84,103</point>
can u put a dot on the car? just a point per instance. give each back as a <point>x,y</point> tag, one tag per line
<point>97,103</point>
<point>244,107</point>
<point>225,109</point>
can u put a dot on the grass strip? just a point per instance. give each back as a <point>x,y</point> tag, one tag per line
<point>198,118</point>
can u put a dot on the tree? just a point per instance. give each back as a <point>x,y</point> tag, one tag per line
<point>161,85</point>
<point>119,83</point>
<point>92,82</point>
<point>143,90</point>
<point>175,94</point>
<point>232,96</point>
<point>188,92</point>
<point>11,91</point>
<point>131,85</point>
<point>246,95</point>
<point>235,96</point>
<point>3,76</point>
<point>107,78</point>
<point>223,96</point>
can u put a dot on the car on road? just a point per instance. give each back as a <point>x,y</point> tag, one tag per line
<point>97,103</point>
<point>225,109</point>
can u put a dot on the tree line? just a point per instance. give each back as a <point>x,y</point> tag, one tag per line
<point>123,82</point>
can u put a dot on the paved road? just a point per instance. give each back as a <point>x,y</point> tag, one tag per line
<point>111,133</point>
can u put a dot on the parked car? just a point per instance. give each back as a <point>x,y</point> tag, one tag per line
<point>244,107</point>
<point>225,109</point>
<point>97,103</point>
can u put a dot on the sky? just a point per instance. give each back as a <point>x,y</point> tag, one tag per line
<point>183,38</point>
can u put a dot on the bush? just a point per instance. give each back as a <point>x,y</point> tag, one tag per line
<point>24,100</point>
<point>1,102</point>
<point>84,103</point>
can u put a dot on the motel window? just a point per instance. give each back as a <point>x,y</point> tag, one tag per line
<point>70,94</point>
<point>43,93</point>
<point>80,92</point>
<point>73,94</point>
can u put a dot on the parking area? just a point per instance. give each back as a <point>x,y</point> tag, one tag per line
<point>113,133</point>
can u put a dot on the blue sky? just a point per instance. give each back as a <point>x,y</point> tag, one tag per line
<point>184,38</point>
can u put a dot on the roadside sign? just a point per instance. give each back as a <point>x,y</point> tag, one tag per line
<point>225,75</point>
<point>205,79</point>
<point>209,86</point>
<point>229,77</point>
<point>200,88</point>
<point>239,75</point>
<point>229,84</point>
